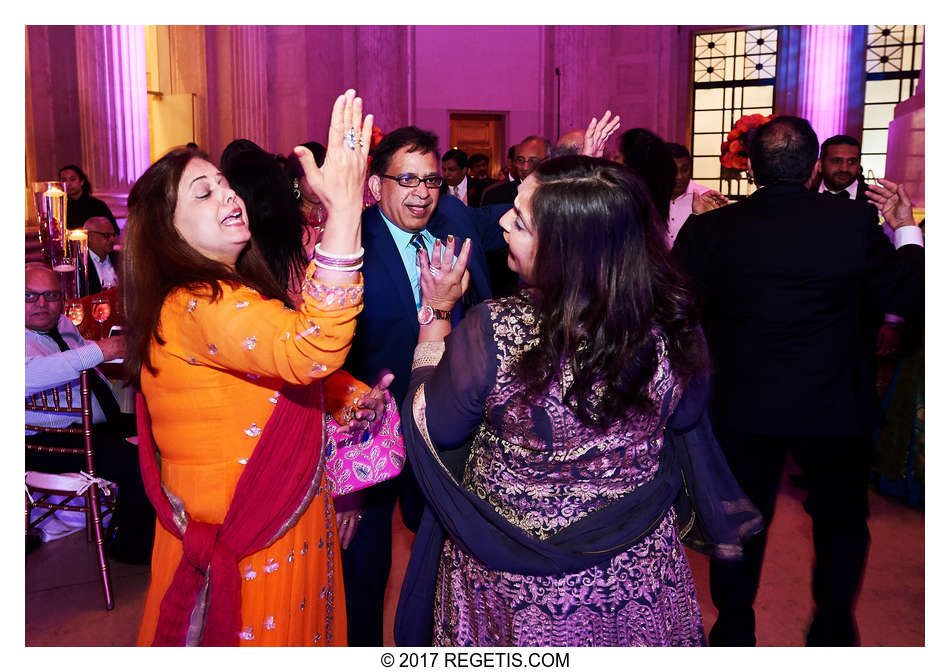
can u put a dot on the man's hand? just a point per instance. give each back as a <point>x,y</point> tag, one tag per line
<point>349,513</point>
<point>708,200</point>
<point>598,132</point>
<point>893,202</point>
<point>112,347</point>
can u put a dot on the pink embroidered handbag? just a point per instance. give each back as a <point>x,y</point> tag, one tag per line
<point>359,460</point>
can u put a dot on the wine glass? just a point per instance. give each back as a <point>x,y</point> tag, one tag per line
<point>75,312</point>
<point>101,309</point>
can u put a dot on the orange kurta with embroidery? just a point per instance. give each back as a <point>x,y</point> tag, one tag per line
<point>219,371</point>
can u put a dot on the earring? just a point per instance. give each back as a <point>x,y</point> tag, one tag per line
<point>296,189</point>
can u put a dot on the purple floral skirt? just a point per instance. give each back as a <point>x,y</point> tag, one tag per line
<point>643,597</point>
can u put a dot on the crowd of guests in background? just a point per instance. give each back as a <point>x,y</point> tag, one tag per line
<point>566,344</point>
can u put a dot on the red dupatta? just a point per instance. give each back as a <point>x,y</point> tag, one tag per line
<point>202,606</point>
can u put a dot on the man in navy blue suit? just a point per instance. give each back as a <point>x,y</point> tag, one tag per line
<point>405,180</point>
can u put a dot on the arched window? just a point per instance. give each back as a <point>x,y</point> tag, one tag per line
<point>733,75</point>
<point>893,62</point>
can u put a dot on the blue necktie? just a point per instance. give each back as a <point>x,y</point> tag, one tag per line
<point>418,242</point>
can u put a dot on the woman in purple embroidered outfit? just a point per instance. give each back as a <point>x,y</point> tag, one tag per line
<point>568,388</point>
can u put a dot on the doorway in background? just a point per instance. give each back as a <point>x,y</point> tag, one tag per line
<point>480,133</point>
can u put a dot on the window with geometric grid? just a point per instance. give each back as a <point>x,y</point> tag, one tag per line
<point>893,61</point>
<point>733,75</point>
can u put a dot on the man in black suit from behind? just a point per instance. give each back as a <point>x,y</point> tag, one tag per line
<point>784,276</point>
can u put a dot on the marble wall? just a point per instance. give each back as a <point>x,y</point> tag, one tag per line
<point>275,84</point>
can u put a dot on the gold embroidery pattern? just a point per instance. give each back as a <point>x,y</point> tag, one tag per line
<point>538,466</point>
<point>428,353</point>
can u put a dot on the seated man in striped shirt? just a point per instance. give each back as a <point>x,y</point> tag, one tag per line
<point>55,354</point>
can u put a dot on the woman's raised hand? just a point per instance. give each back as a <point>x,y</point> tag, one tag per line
<point>339,182</point>
<point>441,283</point>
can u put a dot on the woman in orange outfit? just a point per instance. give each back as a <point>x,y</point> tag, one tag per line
<point>246,550</point>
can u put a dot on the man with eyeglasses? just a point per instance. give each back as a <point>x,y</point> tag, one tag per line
<point>405,181</point>
<point>528,154</point>
<point>55,355</point>
<point>104,265</point>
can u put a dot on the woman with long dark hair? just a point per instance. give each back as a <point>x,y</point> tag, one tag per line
<point>651,159</point>
<point>559,518</point>
<point>81,204</point>
<point>246,551</point>
<point>286,239</point>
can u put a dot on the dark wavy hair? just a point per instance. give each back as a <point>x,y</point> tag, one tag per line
<point>783,150</point>
<point>648,155</point>
<point>157,260</point>
<point>275,218</point>
<point>86,185</point>
<point>604,282</point>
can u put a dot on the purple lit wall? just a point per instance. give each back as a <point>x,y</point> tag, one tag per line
<point>113,105</point>
<point>823,78</point>
<point>488,68</point>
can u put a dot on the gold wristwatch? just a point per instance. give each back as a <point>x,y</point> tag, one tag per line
<point>427,313</point>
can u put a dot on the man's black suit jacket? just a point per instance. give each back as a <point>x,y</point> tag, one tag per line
<point>474,190</point>
<point>784,277</point>
<point>95,284</point>
<point>503,192</point>
<point>387,328</point>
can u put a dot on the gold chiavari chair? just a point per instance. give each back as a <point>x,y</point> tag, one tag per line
<point>44,490</point>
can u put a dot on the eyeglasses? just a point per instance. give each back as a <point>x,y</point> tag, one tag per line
<point>533,160</point>
<point>412,181</point>
<point>50,296</point>
<point>110,234</point>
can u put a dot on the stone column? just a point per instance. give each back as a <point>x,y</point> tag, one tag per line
<point>248,73</point>
<point>827,80</point>
<point>113,108</point>
<point>384,73</point>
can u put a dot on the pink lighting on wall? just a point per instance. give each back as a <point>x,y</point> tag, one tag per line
<point>113,104</point>
<point>824,78</point>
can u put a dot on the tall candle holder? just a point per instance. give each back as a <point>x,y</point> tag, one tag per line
<point>50,201</point>
<point>77,248</point>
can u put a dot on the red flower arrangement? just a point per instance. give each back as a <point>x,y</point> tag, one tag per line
<point>377,137</point>
<point>734,155</point>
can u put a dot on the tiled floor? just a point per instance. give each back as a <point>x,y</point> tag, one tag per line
<point>64,604</point>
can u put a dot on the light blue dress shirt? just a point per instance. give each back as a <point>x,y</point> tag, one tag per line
<point>47,367</point>
<point>408,254</point>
